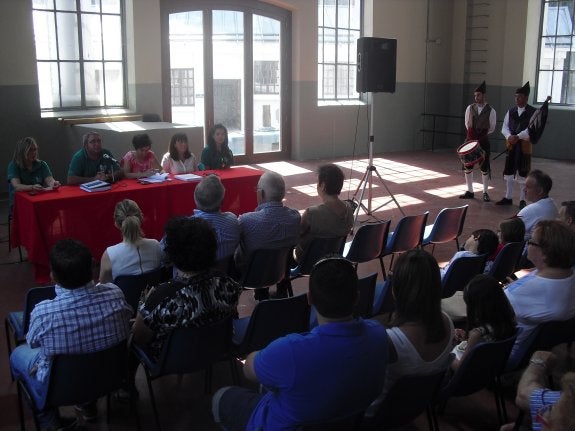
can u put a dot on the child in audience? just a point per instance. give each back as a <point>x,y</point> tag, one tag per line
<point>490,316</point>
<point>510,230</point>
<point>481,241</point>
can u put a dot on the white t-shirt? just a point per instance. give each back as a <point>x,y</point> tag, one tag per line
<point>543,209</point>
<point>178,166</point>
<point>133,259</point>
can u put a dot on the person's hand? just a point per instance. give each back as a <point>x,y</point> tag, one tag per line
<point>101,176</point>
<point>548,358</point>
<point>513,139</point>
<point>37,187</point>
<point>459,335</point>
<point>56,184</point>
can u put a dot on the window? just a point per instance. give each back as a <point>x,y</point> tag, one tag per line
<point>556,68</point>
<point>339,27</point>
<point>182,87</point>
<point>80,53</point>
<point>266,74</point>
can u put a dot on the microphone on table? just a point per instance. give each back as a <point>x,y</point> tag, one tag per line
<point>107,156</point>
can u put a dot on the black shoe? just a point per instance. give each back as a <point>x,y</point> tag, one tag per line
<point>467,195</point>
<point>486,198</point>
<point>522,204</point>
<point>504,201</point>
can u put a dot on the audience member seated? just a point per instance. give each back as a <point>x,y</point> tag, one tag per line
<point>178,159</point>
<point>26,172</point>
<point>567,213</point>
<point>490,316</point>
<point>196,296</point>
<point>208,196</point>
<point>510,230</point>
<point>217,154</point>
<point>271,225</point>
<point>333,217</point>
<point>93,162</point>
<point>549,409</point>
<point>332,372</point>
<point>142,161</point>
<point>547,293</point>
<point>541,207</point>
<point>481,241</point>
<point>135,254</point>
<point>83,317</point>
<point>421,334</point>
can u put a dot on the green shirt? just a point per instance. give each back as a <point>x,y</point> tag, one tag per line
<point>213,159</point>
<point>83,166</point>
<point>36,175</point>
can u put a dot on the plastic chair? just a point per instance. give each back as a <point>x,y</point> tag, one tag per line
<point>447,226</point>
<point>134,285</point>
<point>270,320</point>
<point>408,234</point>
<point>366,287</point>
<point>367,242</point>
<point>480,367</point>
<point>383,301</point>
<point>460,272</point>
<point>505,263</point>
<point>17,322</point>
<point>187,350</point>
<point>81,378</point>
<point>408,398</point>
<point>266,268</point>
<point>318,248</point>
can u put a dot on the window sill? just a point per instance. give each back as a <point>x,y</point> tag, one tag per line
<point>92,116</point>
<point>322,103</point>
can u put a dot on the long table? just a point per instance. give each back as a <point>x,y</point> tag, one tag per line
<point>39,221</point>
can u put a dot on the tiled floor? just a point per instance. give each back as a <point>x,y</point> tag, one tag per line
<point>419,181</point>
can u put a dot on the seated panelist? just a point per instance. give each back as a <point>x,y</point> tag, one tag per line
<point>217,154</point>
<point>26,172</point>
<point>142,161</point>
<point>93,162</point>
<point>179,159</point>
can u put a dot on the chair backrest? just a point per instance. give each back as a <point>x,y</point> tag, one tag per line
<point>408,234</point>
<point>134,285</point>
<point>81,378</point>
<point>318,248</point>
<point>272,319</point>
<point>506,261</point>
<point>266,267</point>
<point>460,272</point>
<point>406,400</point>
<point>368,241</point>
<point>481,365</point>
<point>546,336</point>
<point>33,297</point>
<point>366,287</point>
<point>190,349</point>
<point>448,225</point>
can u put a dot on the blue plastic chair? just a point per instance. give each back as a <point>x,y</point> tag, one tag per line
<point>266,268</point>
<point>447,226</point>
<point>367,242</point>
<point>460,272</point>
<point>506,262</point>
<point>134,285</point>
<point>318,248</point>
<point>366,287</point>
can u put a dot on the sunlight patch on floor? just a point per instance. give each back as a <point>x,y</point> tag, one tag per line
<point>284,168</point>
<point>399,173</point>
<point>452,191</point>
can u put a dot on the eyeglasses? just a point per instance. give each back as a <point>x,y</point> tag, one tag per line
<point>533,243</point>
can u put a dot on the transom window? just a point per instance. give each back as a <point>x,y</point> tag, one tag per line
<point>556,68</point>
<point>339,27</point>
<point>80,53</point>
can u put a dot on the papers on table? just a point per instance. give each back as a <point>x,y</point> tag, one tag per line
<point>96,186</point>
<point>188,177</point>
<point>156,178</point>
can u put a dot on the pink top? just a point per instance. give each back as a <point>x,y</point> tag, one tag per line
<point>135,164</point>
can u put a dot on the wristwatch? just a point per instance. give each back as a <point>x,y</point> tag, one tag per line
<point>539,362</point>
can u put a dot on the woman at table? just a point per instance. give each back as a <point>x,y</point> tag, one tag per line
<point>142,161</point>
<point>135,254</point>
<point>26,172</point>
<point>217,154</point>
<point>179,159</point>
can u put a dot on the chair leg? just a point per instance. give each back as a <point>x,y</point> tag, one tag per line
<point>208,380</point>
<point>431,419</point>
<point>457,244</point>
<point>382,268</point>
<point>235,372</point>
<point>500,402</point>
<point>20,407</point>
<point>153,401</point>
<point>391,262</point>
<point>432,248</point>
<point>108,409</point>
<point>8,344</point>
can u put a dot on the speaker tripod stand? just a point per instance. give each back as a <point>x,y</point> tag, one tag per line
<point>366,183</point>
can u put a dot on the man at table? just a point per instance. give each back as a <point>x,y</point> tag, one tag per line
<point>93,162</point>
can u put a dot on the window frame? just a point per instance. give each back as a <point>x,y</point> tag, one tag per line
<point>82,62</point>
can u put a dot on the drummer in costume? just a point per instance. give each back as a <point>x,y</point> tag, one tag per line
<point>480,120</point>
<point>519,148</point>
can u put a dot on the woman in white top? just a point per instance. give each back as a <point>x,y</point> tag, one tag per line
<point>178,159</point>
<point>421,335</point>
<point>135,254</point>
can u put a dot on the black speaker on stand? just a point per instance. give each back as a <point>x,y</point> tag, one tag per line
<point>376,58</point>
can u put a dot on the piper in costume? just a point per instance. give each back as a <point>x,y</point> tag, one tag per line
<point>480,120</point>
<point>519,148</point>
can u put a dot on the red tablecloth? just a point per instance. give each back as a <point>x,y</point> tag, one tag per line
<point>41,220</point>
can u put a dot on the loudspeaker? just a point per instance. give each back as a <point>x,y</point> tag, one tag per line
<point>376,65</point>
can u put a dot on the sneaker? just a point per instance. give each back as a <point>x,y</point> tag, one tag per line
<point>522,204</point>
<point>88,411</point>
<point>467,195</point>
<point>486,198</point>
<point>504,201</point>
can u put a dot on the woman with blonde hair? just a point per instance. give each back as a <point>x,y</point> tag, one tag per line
<point>135,254</point>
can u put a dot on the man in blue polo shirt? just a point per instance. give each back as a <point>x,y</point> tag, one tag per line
<point>330,373</point>
<point>93,162</point>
